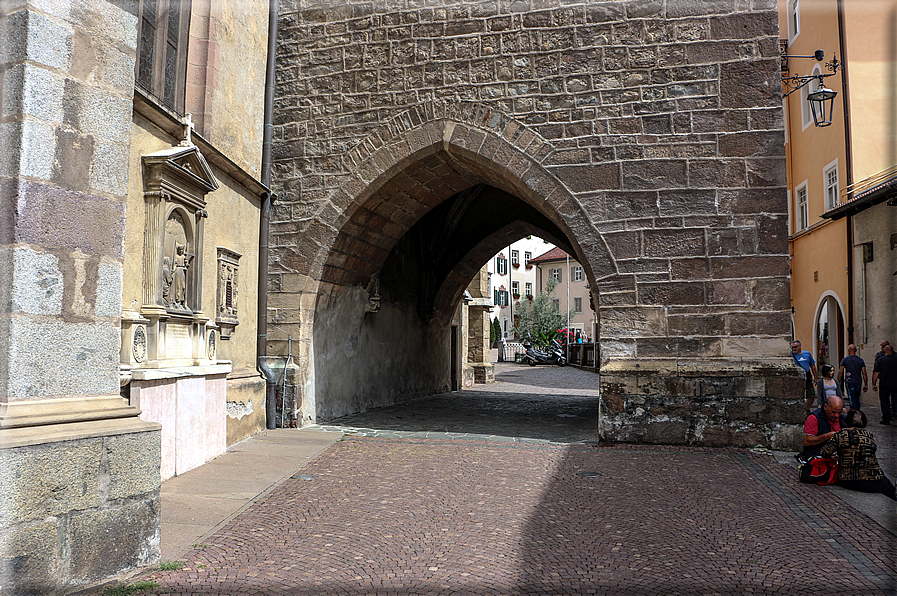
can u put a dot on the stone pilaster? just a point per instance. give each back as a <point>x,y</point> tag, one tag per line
<point>67,103</point>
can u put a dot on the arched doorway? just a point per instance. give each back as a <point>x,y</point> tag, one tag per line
<point>829,332</point>
<point>652,166</point>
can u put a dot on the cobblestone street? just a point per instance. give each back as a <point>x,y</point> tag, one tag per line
<point>507,493</point>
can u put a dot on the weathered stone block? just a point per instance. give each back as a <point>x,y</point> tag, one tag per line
<point>671,293</point>
<point>106,542</point>
<point>748,84</point>
<point>28,559</point>
<point>666,433</point>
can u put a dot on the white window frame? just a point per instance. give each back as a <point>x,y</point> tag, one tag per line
<point>501,265</point>
<point>801,206</point>
<point>515,257</point>
<point>515,288</point>
<point>555,274</point>
<point>830,185</point>
<point>793,20</point>
<point>576,273</point>
<point>527,257</point>
<point>577,304</point>
<point>529,288</point>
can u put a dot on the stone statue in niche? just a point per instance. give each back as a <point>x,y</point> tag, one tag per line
<point>182,262</point>
<point>166,281</point>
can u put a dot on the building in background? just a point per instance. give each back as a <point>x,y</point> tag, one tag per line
<point>572,291</point>
<point>842,178</point>
<point>512,277</point>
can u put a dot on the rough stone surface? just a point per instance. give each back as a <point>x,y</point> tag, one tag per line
<point>76,511</point>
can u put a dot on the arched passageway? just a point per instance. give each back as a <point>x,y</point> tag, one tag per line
<point>646,142</point>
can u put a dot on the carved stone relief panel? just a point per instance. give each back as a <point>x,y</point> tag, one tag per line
<point>228,291</point>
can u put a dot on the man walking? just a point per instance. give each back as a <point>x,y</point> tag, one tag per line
<point>886,371</point>
<point>805,360</point>
<point>881,352</point>
<point>852,373</point>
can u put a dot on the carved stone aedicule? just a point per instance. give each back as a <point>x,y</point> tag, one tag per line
<point>228,291</point>
<point>176,332</point>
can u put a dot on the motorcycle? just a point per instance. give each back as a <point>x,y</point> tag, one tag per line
<point>555,354</point>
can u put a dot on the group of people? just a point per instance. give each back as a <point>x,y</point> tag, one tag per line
<point>829,431</point>
<point>852,375</point>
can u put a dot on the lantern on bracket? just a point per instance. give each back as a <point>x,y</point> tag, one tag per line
<point>821,99</point>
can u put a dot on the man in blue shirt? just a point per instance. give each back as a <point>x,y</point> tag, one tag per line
<point>853,374</point>
<point>805,360</point>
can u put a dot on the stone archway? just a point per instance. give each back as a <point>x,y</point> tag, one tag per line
<point>646,140</point>
<point>436,191</point>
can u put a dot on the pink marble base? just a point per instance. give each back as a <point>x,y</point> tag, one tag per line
<point>191,410</point>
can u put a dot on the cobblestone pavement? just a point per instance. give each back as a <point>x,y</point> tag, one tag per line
<point>424,513</point>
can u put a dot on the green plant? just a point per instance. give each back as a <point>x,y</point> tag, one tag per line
<point>127,590</point>
<point>495,331</point>
<point>539,319</point>
<point>171,565</point>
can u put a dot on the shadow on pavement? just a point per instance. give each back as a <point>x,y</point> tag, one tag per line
<point>629,519</point>
<point>523,405</point>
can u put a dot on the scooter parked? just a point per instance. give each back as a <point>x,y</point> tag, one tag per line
<point>555,354</point>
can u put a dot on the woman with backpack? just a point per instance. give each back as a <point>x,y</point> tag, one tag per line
<point>855,448</point>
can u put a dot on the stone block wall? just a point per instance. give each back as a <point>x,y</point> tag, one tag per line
<point>648,135</point>
<point>78,506</point>
<point>79,473</point>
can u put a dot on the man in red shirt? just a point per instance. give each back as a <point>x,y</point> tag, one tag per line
<point>822,424</point>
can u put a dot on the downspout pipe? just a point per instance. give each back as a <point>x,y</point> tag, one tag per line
<point>261,346</point>
<point>848,167</point>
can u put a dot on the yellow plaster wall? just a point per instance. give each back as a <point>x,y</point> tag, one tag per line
<point>824,251</point>
<point>233,223</point>
<point>241,33</point>
<point>823,247</point>
<point>871,31</point>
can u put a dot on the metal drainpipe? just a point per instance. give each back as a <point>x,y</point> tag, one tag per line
<point>848,167</point>
<point>261,346</point>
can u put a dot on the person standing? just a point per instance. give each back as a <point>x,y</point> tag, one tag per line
<point>852,372</point>
<point>827,385</point>
<point>881,352</point>
<point>886,371</point>
<point>805,360</point>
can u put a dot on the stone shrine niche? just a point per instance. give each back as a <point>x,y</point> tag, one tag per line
<point>176,261</point>
<point>170,326</point>
<point>228,291</point>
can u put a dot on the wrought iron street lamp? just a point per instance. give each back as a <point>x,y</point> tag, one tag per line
<point>822,99</point>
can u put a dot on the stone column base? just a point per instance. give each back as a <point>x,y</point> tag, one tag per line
<point>715,403</point>
<point>483,373</point>
<point>79,502</point>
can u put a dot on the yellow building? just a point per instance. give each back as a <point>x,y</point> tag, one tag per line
<point>841,176</point>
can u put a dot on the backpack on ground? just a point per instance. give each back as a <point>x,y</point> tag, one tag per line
<point>819,470</point>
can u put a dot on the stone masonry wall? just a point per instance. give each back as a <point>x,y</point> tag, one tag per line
<point>79,472</point>
<point>649,132</point>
